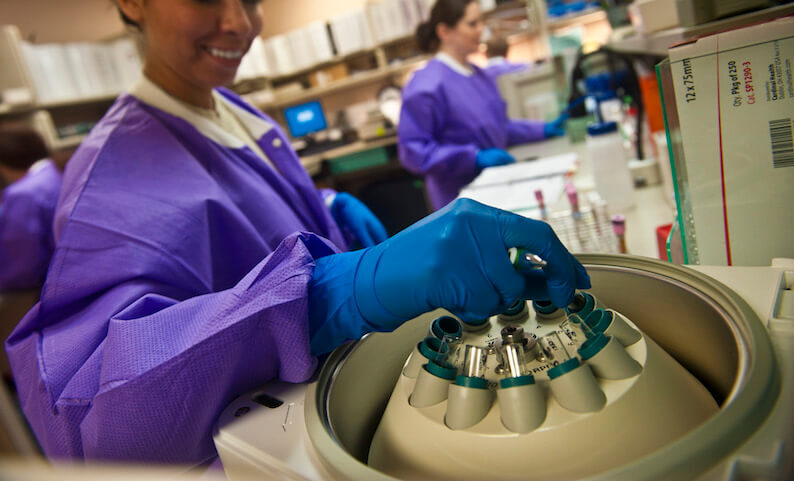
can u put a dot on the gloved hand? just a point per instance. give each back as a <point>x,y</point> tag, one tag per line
<point>455,258</point>
<point>351,214</point>
<point>556,127</point>
<point>493,157</point>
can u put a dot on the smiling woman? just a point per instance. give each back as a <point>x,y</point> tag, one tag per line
<point>194,46</point>
<point>195,259</point>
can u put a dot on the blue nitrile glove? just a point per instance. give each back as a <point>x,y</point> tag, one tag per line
<point>493,157</point>
<point>455,258</point>
<point>556,127</point>
<point>351,214</point>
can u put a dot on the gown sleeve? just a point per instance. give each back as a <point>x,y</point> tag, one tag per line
<point>421,118</point>
<point>24,240</point>
<point>524,131</point>
<point>140,366</point>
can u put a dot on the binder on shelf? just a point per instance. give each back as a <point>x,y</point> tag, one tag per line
<point>254,63</point>
<point>351,32</point>
<point>74,71</point>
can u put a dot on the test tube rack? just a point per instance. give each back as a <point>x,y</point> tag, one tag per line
<point>589,231</point>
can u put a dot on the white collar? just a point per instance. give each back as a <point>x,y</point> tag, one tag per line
<point>148,92</point>
<point>450,62</point>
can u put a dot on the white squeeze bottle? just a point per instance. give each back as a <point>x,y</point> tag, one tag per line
<point>610,166</point>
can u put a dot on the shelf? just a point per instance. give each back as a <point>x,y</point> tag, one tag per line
<point>69,142</point>
<point>589,15</point>
<point>321,65</point>
<point>343,84</point>
<point>657,43</point>
<point>98,99</point>
<point>13,110</point>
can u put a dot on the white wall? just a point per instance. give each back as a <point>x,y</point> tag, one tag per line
<point>284,15</point>
<point>45,21</point>
<point>77,20</point>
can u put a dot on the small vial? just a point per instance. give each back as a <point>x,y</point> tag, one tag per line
<point>513,351</point>
<point>474,361</point>
<point>518,312</point>
<point>544,214</point>
<point>469,397</point>
<point>619,228</point>
<point>573,198</point>
<point>576,330</point>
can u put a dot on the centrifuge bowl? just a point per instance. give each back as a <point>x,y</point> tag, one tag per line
<point>703,324</point>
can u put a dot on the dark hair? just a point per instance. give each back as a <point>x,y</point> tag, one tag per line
<point>448,12</point>
<point>496,47</point>
<point>20,146</point>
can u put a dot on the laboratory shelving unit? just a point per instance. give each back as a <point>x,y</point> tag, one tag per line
<point>63,122</point>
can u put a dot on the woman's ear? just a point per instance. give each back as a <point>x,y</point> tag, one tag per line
<point>132,9</point>
<point>443,31</point>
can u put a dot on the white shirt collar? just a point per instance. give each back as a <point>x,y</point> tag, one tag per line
<point>450,62</point>
<point>148,92</point>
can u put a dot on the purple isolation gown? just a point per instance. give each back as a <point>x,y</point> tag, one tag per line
<point>179,281</point>
<point>446,118</point>
<point>26,239</point>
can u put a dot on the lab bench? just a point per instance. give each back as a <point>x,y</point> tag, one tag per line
<point>398,197</point>
<point>651,208</point>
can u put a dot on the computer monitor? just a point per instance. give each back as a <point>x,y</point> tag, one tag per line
<point>305,118</point>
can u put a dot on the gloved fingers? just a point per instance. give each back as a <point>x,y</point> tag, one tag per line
<point>535,285</point>
<point>562,118</point>
<point>538,237</point>
<point>582,277</point>
<point>494,261</point>
<point>362,234</point>
<point>376,230</point>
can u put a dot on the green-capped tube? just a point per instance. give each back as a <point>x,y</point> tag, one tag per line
<point>476,325</point>
<point>432,384</point>
<point>522,404</point>
<point>445,327</point>
<point>608,358</point>
<point>612,323</point>
<point>516,314</point>
<point>546,312</point>
<point>469,401</point>
<point>583,304</point>
<point>430,348</point>
<point>575,387</point>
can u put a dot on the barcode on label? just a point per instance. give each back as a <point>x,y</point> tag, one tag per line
<point>780,133</point>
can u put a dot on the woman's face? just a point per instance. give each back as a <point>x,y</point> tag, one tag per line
<point>193,46</point>
<point>465,36</point>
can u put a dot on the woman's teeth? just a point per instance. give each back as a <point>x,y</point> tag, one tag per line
<point>227,54</point>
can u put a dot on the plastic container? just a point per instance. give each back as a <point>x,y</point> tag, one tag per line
<point>610,166</point>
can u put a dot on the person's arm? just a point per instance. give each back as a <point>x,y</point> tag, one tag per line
<point>524,131</point>
<point>454,259</point>
<point>421,118</point>
<point>139,369</point>
<point>24,247</point>
<point>359,224</point>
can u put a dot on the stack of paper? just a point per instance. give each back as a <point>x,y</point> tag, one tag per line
<point>512,187</point>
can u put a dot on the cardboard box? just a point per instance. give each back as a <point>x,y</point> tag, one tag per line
<point>322,77</point>
<point>734,94</point>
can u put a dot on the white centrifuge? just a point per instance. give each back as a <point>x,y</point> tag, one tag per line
<point>657,372</point>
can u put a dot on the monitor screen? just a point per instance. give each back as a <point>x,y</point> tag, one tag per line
<point>305,118</point>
